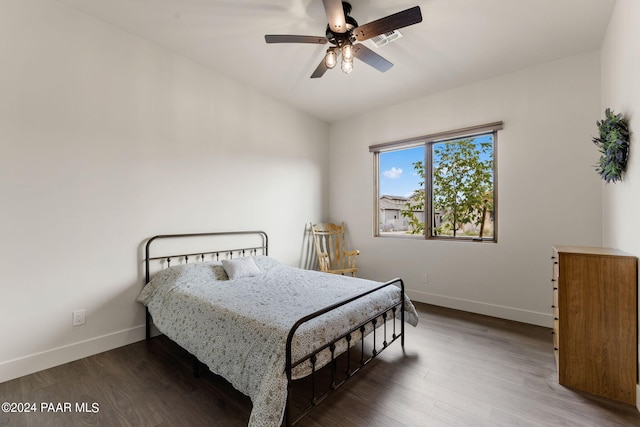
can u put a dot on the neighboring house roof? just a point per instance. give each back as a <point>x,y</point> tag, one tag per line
<point>394,202</point>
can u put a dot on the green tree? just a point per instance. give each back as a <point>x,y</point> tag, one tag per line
<point>415,203</point>
<point>462,186</point>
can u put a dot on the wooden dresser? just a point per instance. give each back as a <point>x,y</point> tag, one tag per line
<point>595,320</point>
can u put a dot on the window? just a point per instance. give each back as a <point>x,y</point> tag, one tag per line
<point>440,186</point>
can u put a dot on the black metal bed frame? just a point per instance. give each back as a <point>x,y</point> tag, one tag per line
<point>337,379</point>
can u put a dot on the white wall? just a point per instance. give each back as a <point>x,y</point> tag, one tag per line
<point>621,91</point>
<point>548,192</point>
<point>107,140</point>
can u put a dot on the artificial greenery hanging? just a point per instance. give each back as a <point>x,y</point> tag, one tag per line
<point>613,144</point>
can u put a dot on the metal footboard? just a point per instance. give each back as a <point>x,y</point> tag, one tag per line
<point>338,378</point>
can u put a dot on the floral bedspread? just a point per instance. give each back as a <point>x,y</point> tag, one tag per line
<point>239,327</point>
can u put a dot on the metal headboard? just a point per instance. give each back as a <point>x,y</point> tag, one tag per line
<point>227,252</point>
<point>263,247</point>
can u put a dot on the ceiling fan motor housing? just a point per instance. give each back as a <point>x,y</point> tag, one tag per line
<point>340,39</point>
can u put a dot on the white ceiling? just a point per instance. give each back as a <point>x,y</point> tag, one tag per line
<point>457,43</point>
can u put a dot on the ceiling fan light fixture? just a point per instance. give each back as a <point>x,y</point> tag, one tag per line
<point>330,59</point>
<point>346,66</point>
<point>347,52</point>
<point>347,58</point>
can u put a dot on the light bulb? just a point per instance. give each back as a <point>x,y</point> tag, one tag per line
<point>347,52</point>
<point>330,59</point>
<point>347,66</point>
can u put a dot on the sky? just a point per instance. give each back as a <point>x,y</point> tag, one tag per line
<point>397,175</point>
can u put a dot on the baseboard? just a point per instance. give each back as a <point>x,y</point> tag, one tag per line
<point>503,312</point>
<point>26,365</point>
<point>58,356</point>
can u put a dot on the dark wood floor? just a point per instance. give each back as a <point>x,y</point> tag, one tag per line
<point>458,369</point>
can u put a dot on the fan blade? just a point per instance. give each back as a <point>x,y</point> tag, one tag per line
<point>294,39</point>
<point>320,70</point>
<point>368,56</point>
<point>335,15</point>
<point>388,24</point>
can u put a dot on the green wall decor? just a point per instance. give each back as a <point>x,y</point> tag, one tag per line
<point>613,144</point>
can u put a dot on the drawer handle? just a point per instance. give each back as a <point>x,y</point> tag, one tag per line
<point>555,348</point>
<point>553,306</point>
<point>555,289</point>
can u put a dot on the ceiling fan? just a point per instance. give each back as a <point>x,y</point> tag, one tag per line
<point>343,31</point>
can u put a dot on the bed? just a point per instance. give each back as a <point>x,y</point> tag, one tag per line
<point>262,325</point>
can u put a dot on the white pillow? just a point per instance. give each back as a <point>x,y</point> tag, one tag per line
<point>240,267</point>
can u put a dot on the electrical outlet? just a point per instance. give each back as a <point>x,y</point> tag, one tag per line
<point>79,317</point>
